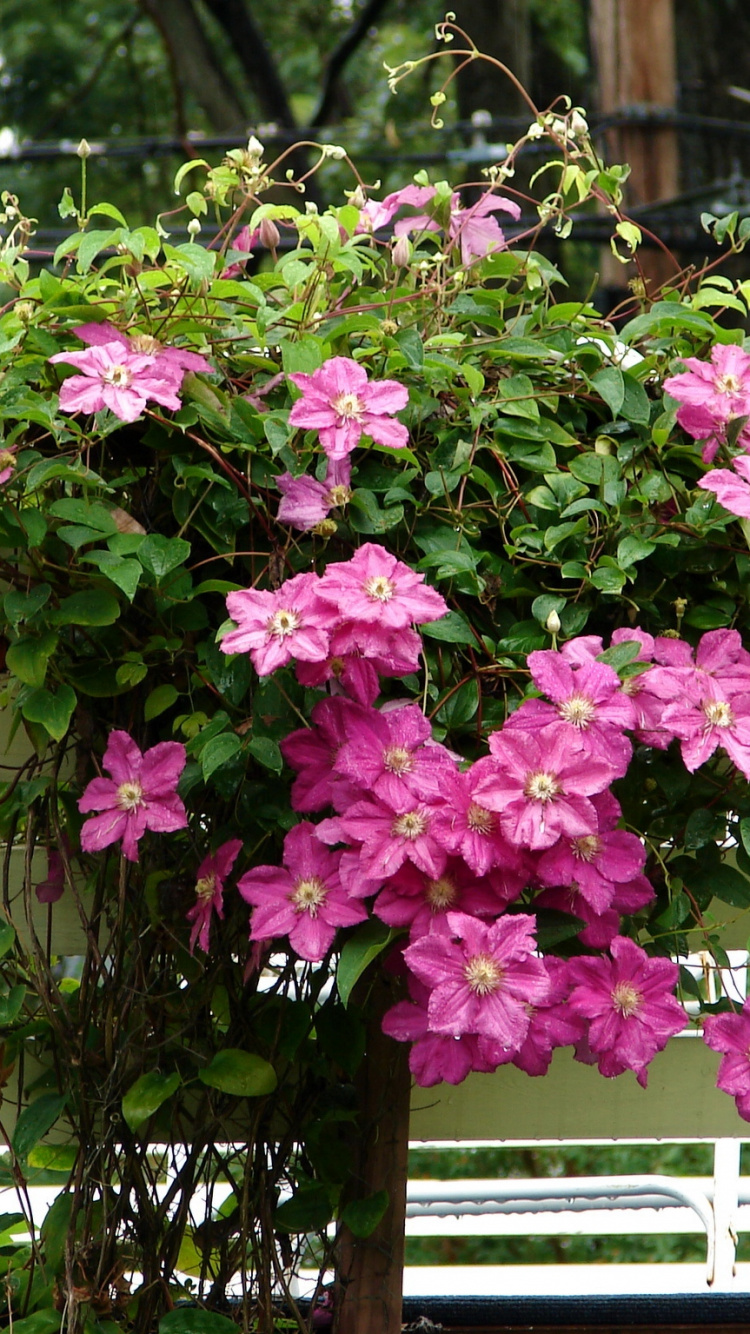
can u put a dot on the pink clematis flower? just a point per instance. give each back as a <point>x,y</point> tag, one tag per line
<point>53,888</point>
<point>731,488</point>
<point>244,241</point>
<point>411,898</point>
<point>629,1004</point>
<point>376,589</point>
<point>475,230</point>
<point>341,404</point>
<point>118,379</point>
<point>387,756</point>
<point>209,891</point>
<point>7,464</point>
<point>389,837</point>
<point>170,361</point>
<point>540,786</point>
<point>306,501</point>
<point>481,977</point>
<point>274,627</point>
<point>595,863</point>
<point>712,394</point>
<point>730,1034</point>
<point>140,795</point>
<point>302,899</point>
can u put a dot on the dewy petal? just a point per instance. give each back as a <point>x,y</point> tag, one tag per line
<point>161,768</point>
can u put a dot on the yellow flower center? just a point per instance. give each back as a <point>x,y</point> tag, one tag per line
<point>120,376</point>
<point>479,820</point>
<point>283,623</point>
<point>586,849</point>
<point>718,713</point>
<point>339,495</point>
<point>130,796</point>
<point>483,974</point>
<point>7,458</point>
<point>627,999</point>
<point>440,894</point>
<point>205,887</point>
<point>542,786</point>
<point>379,587</point>
<point>398,760</point>
<point>308,895</point>
<point>411,825</point>
<point>348,406</point>
<point>727,384</point>
<point>145,344</point>
<point>578,710</point>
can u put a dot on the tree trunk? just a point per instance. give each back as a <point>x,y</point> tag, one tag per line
<point>370,1270</point>
<point>195,68</point>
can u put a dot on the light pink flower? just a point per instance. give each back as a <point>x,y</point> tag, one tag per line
<point>376,588</point>
<point>712,394</point>
<point>341,404</point>
<point>140,795</point>
<point>209,891</point>
<point>302,899</point>
<point>732,490</point>
<point>275,627</point>
<point>170,361</point>
<point>730,1034</point>
<point>481,977</point>
<point>375,213</point>
<point>306,501</point>
<point>629,1004</point>
<point>475,229</point>
<point>117,379</point>
<point>540,786</point>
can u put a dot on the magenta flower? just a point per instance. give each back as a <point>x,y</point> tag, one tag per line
<point>731,490</point>
<point>312,751</point>
<point>588,698</point>
<point>540,786</point>
<point>376,588</point>
<point>629,1004</point>
<point>481,977</point>
<point>434,1057</point>
<point>386,755</point>
<point>140,795</point>
<point>53,888</point>
<point>117,379</point>
<point>712,394</point>
<point>209,891</point>
<point>411,898</point>
<point>551,1024</point>
<point>7,464</point>
<point>341,404</point>
<point>595,863</point>
<point>274,627</point>
<point>244,241</point>
<point>465,827</point>
<point>390,837</point>
<point>730,1034</point>
<point>302,899</point>
<point>705,722</point>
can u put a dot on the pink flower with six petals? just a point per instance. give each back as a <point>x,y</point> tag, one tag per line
<point>341,404</point>
<point>140,795</point>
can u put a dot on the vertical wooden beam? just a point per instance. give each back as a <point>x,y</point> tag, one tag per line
<point>370,1270</point>
<point>633,43</point>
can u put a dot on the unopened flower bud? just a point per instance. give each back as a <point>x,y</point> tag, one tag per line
<point>84,149</point>
<point>603,445</point>
<point>389,327</point>
<point>357,198</point>
<point>193,228</point>
<point>326,528</point>
<point>552,624</point>
<point>24,311</point>
<point>402,252</point>
<point>268,234</point>
<point>680,606</point>
<point>255,148</point>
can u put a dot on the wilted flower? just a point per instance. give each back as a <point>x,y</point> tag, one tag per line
<point>209,891</point>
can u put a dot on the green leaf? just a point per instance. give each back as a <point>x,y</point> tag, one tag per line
<point>266,751</point>
<point>451,629</point>
<point>745,833</point>
<point>196,262</point>
<point>54,1229</point>
<point>363,1216</point>
<point>146,1096</point>
<point>553,926</point>
<point>610,386</point>
<point>161,698</point>
<point>89,515</point>
<point>192,1320</point>
<point>632,549</point>
<point>47,1321</point>
<point>309,1210</point>
<point>27,658</point>
<point>23,606</point>
<point>367,942</point>
<point>217,751</point>
<point>35,1121</point>
<point>91,245</point>
<point>53,711</point>
<point>7,937</point>
<point>94,607</point>
<point>10,1004</point>
<point>160,555</point>
<point>125,574</point>
<point>239,1072</point>
<point>305,355</point>
<point>410,344</point>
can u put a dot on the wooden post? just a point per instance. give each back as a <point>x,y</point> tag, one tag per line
<point>370,1270</point>
<point>633,42</point>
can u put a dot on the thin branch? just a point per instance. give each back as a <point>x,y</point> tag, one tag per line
<point>338,59</point>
